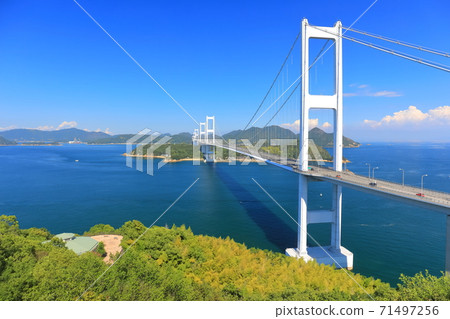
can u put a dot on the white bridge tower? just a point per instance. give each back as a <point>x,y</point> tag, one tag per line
<point>195,137</point>
<point>334,253</point>
<point>207,139</point>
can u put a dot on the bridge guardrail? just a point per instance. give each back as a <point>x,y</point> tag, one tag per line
<point>407,189</point>
<point>433,195</point>
<point>391,182</point>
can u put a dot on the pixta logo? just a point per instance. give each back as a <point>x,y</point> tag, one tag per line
<point>142,146</point>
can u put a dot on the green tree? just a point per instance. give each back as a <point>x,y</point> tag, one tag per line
<point>100,229</point>
<point>424,287</point>
<point>131,230</point>
<point>58,242</point>
<point>8,223</point>
<point>175,264</point>
<point>101,249</point>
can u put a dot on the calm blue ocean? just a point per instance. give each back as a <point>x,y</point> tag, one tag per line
<point>46,187</point>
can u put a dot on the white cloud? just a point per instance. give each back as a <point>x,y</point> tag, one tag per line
<point>107,131</point>
<point>45,128</point>
<point>440,114</point>
<point>63,125</point>
<point>385,94</point>
<point>295,127</point>
<point>374,94</point>
<point>326,125</point>
<point>7,128</point>
<point>413,116</point>
<point>67,124</point>
<point>410,115</point>
<point>371,123</point>
<point>312,123</point>
<point>365,90</point>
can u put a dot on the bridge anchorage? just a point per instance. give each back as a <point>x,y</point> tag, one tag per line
<point>334,253</point>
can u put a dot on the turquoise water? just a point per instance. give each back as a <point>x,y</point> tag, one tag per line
<point>47,187</point>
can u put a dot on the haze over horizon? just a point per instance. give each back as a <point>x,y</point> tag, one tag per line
<point>60,70</point>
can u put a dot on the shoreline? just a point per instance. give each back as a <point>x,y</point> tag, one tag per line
<point>187,159</point>
<point>201,159</point>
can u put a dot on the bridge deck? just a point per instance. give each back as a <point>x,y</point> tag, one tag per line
<point>438,201</point>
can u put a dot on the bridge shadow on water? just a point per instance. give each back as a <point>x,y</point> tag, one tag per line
<point>276,230</point>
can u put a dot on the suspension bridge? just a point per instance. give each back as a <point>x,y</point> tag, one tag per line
<point>306,166</point>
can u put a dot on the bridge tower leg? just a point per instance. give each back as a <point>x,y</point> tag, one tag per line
<point>334,253</point>
<point>208,138</point>
<point>201,135</point>
<point>195,137</point>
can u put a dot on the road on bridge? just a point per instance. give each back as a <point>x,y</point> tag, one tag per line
<point>432,199</point>
<point>438,201</point>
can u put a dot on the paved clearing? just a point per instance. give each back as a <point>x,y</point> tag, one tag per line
<point>112,244</point>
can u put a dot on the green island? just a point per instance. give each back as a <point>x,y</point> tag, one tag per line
<point>293,152</point>
<point>185,152</point>
<point>182,151</point>
<point>175,264</point>
<point>181,144</point>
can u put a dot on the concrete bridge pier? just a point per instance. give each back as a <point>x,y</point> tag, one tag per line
<point>328,255</point>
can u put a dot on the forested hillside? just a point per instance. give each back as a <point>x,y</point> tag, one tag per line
<point>324,139</point>
<point>179,138</point>
<point>320,137</point>
<point>4,141</point>
<point>177,151</point>
<point>175,264</point>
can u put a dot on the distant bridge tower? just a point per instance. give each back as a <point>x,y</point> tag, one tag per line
<point>207,139</point>
<point>334,253</point>
<point>195,137</point>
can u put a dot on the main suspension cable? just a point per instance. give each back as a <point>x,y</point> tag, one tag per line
<point>393,52</point>
<point>273,83</point>
<point>296,87</point>
<point>406,44</point>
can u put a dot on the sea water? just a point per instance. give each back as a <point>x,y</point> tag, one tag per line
<point>70,188</point>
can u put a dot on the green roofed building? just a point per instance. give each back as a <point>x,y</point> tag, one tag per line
<point>66,236</point>
<point>82,244</point>
<point>79,244</point>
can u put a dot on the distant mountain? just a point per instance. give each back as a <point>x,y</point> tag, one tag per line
<point>253,134</point>
<point>115,139</point>
<point>65,135</point>
<point>180,138</point>
<point>324,139</point>
<point>319,137</point>
<point>4,141</point>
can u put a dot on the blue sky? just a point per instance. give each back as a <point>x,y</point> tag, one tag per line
<point>58,69</point>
